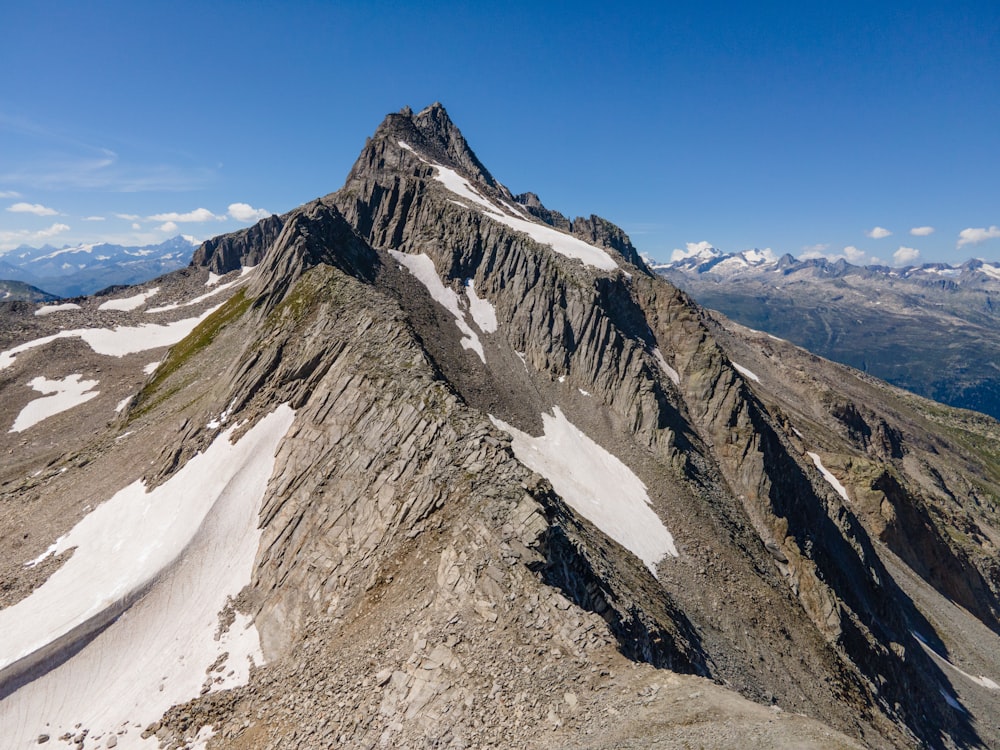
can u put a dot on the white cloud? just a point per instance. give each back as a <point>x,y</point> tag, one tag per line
<point>9,194</point>
<point>905,255</point>
<point>136,225</point>
<point>128,217</point>
<point>168,227</point>
<point>93,218</point>
<point>815,251</point>
<point>12,238</point>
<point>198,215</point>
<point>693,249</point>
<point>854,255</point>
<point>850,253</point>
<point>32,208</point>
<point>922,231</point>
<point>878,233</point>
<point>973,236</point>
<point>53,230</point>
<point>246,212</point>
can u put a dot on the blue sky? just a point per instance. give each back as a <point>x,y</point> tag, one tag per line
<point>802,127</point>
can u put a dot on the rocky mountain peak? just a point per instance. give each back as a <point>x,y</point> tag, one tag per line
<point>432,133</point>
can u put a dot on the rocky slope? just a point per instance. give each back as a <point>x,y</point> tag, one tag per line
<point>529,494</point>
<point>930,329</point>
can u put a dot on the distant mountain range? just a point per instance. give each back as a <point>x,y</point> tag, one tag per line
<point>933,329</point>
<point>77,270</point>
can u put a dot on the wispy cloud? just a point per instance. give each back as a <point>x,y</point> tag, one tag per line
<point>878,233</point>
<point>246,212</point>
<point>57,160</point>
<point>128,217</point>
<point>168,226</point>
<point>12,238</point>
<point>922,231</point>
<point>9,194</point>
<point>32,208</point>
<point>973,236</point>
<point>93,218</point>
<point>196,216</point>
<point>905,255</point>
<point>816,250</point>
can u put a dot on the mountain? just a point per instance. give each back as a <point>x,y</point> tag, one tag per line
<point>77,270</point>
<point>931,329</point>
<point>18,291</point>
<point>424,463</point>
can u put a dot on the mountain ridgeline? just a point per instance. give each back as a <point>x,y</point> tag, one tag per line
<point>931,329</point>
<point>526,476</point>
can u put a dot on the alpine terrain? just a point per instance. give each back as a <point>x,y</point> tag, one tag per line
<point>77,270</point>
<point>423,463</point>
<point>931,329</point>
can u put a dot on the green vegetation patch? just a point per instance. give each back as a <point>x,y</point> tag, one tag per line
<point>188,347</point>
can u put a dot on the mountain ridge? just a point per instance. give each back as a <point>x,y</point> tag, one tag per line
<point>79,270</point>
<point>929,329</point>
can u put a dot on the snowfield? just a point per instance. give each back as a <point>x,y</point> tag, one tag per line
<point>422,268</point>
<point>127,626</point>
<point>749,374</point>
<point>482,310</point>
<point>828,476</point>
<point>562,243</point>
<point>49,309</point>
<point>595,484</point>
<point>670,371</point>
<point>129,303</point>
<point>63,394</point>
<point>117,342</point>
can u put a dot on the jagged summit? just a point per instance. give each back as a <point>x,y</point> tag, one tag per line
<point>419,159</point>
<point>432,133</point>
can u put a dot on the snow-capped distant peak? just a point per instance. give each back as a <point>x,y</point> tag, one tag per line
<point>700,251</point>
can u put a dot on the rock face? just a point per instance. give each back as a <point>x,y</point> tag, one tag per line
<point>416,584</point>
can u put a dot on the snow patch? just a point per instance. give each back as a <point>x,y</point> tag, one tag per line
<point>129,303</point>
<point>981,680</point>
<point>746,373</point>
<point>596,484</point>
<point>585,393</point>
<point>213,278</point>
<point>49,309</point>
<point>47,553</point>
<point>482,310</point>
<point>150,368</point>
<point>670,371</point>
<point>829,477</point>
<point>562,243</point>
<point>991,271</point>
<point>117,342</point>
<point>196,300</point>
<point>123,403</point>
<point>63,394</point>
<point>422,268</point>
<point>140,556</point>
